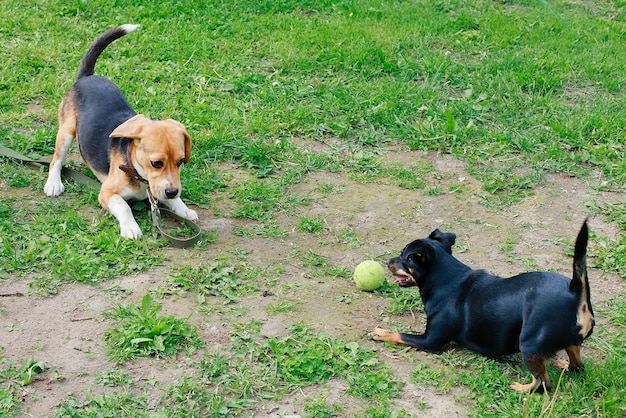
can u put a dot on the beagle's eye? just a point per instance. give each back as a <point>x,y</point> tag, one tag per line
<point>179,163</point>
<point>157,164</point>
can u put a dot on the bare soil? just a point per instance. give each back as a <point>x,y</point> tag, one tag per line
<point>65,330</point>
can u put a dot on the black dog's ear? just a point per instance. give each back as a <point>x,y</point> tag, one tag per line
<point>446,238</point>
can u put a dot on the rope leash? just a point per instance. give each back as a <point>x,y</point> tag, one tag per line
<point>155,209</point>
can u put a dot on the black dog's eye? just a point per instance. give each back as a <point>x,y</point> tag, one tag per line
<point>417,258</point>
<point>157,164</point>
<point>179,163</point>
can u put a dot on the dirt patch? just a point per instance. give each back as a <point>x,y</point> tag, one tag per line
<point>361,221</point>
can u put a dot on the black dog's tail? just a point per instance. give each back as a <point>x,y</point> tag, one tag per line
<point>88,63</point>
<point>580,283</point>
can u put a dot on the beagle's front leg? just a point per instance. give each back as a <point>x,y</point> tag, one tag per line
<point>178,207</point>
<point>54,186</point>
<point>124,215</point>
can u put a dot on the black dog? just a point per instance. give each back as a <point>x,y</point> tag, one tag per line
<point>536,313</point>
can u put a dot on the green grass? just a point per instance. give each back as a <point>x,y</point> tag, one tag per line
<point>14,378</point>
<point>140,331</point>
<point>311,225</point>
<point>251,369</point>
<point>612,253</point>
<point>214,279</point>
<point>301,359</point>
<point>58,242</point>
<point>272,92</point>
<point>363,72</point>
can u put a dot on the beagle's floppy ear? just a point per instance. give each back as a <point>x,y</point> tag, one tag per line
<point>140,125</point>
<point>131,128</point>
<point>187,147</point>
<point>187,138</point>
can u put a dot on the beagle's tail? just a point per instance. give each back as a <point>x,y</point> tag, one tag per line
<point>88,62</point>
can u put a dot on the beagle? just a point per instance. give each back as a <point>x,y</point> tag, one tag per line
<point>131,155</point>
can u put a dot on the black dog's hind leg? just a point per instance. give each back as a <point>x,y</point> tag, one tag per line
<point>536,365</point>
<point>422,342</point>
<point>575,363</point>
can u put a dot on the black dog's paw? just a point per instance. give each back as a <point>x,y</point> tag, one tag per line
<point>374,334</point>
<point>380,334</point>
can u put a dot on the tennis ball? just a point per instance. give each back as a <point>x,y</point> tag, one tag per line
<point>369,275</point>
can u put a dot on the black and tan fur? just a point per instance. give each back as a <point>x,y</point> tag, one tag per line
<point>537,313</point>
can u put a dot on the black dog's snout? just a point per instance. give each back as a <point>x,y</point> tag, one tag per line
<point>394,264</point>
<point>171,193</point>
<point>394,260</point>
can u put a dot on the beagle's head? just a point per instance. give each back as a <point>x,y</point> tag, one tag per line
<point>158,149</point>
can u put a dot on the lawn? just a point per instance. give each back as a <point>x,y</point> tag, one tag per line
<point>324,133</point>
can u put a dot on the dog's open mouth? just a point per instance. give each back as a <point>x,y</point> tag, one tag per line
<point>403,280</point>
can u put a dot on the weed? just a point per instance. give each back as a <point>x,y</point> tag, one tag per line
<point>425,376</point>
<point>615,212</point>
<point>262,368</point>
<point>142,332</point>
<point>212,279</point>
<point>259,199</point>
<point>311,225</point>
<point>14,376</point>
<point>402,299</point>
<point>348,236</point>
<point>106,405</point>
<point>434,191</point>
<point>22,374</point>
<point>332,271</point>
<point>312,259</point>
<point>113,377</point>
<point>327,188</point>
<point>192,398</point>
<point>319,409</point>
<point>617,311</point>
<point>281,306</point>
<point>200,181</point>
<point>410,177</point>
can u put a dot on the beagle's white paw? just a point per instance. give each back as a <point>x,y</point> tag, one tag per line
<point>53,187</point>
<point>190,214</point>
<point>131,230</point>
<point>178,207</point>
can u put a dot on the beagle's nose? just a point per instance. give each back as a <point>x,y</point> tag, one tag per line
<point>171,193</point>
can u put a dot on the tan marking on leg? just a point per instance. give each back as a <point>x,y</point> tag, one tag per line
<point>523,388</point>
<point>575,360</point>
<point>537,367</point>
<point>68,121</point>
<point>561,364</point>
<point>380,334</point>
